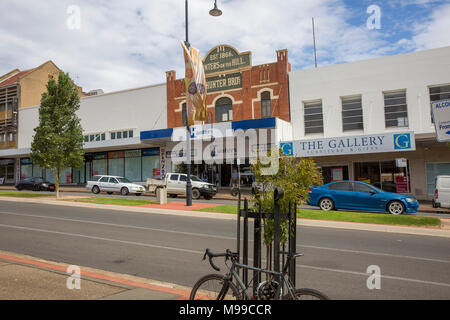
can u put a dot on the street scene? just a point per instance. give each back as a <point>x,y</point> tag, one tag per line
<point>213,150</point>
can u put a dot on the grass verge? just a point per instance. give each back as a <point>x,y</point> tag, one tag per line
<point>24,194</point>
<point>120,202</point>
<point>363,217</point>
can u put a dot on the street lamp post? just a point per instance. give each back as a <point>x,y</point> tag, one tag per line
<point>214,12</point>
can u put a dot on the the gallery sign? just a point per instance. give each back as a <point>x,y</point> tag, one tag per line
<point>375,143</point>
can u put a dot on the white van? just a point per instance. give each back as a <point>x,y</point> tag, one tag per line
<point>442,192</point>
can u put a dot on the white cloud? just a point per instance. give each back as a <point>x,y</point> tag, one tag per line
<point>123,44</point>
<point>436,31</point>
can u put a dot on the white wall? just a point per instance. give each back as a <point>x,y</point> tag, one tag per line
<point>139,109</point>
<point>414,72</point>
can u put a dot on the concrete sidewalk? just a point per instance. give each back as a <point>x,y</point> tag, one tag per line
<point>28,278</point>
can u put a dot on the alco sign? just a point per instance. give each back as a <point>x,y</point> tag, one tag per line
<point>441,117</point>
<point>225,58</point>
<point>388,142</point>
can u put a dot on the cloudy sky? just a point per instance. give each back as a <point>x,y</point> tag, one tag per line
<point>117,44</point>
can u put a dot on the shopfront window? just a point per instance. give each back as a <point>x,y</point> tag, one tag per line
<point>385,175</point>
<point>150,167</point>
<point>334,173</point>
<point>133,168</point>
<point>434,170</point>
<point>116,163</point>
<point>98,167</point>
<point>26,171</point>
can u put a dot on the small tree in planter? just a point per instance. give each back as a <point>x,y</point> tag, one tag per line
<point>58,140</point>
<point>294,176</point>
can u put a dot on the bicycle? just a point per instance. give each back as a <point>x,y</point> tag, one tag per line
<point>221,287</point>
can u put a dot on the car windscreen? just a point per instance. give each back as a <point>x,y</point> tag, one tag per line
<point>195,178</point>
<point>123,180</point>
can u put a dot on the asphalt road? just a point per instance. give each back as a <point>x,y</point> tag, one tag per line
<point>169,248</point>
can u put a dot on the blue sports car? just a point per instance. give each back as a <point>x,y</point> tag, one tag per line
<point>355,195</point>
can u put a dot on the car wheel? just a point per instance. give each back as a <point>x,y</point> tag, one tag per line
<point>326,204</point>
<point>109,192</point>
<point>124,191</point>
<point>196,194</point>
<point>19,187</point>
<point>95,190</point>
<point>396,207</point>
<point>234,191</point>
<point>434,204</point>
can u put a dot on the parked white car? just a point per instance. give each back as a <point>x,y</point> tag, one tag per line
<point>176,185</point>
<point>442,192</point>
<point>111,184</point>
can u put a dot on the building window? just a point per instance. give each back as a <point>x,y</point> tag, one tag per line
<point>124,134</point>
<point>11,137</point>
<point>439,93</point>
<point>266,111</point>
<point>2,137</point>
<point>224,110</point>
<point>313,117</point>
<point>395,109</point>
<point>352,114</point>
<point>183,114</point>
<point>86,138</point>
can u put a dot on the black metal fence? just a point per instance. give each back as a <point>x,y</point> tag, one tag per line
<point>276,248</point>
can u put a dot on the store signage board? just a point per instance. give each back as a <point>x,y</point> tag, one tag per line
<point>376,143</point>
<point>401,162</point>
<point>224,82</point>
<point>204,132</point>
<point>440,111</point>
<point>226,58</point>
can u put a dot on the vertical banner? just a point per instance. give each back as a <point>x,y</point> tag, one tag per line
<point>195,82</point>
<point>162,160</point>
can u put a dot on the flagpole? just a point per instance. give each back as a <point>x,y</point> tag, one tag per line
<point>188,136</point>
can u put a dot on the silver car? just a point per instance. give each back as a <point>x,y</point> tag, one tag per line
<point>111,184</point>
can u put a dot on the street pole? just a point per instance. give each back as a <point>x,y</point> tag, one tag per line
<point>214,12</point>
<point>188,132</point>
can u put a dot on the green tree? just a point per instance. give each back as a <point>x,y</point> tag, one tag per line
<point>294,176</point>
<point>58,140</point>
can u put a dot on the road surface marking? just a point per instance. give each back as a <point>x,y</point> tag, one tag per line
<point>201,252</point>
<point>223,237</point>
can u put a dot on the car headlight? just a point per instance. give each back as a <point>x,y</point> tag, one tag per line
<point>45,185</point>
<point>411,200</point>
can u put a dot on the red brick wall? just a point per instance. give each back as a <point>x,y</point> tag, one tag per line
<point>272,76</point>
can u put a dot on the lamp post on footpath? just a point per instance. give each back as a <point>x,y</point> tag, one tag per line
<point>213,12</point>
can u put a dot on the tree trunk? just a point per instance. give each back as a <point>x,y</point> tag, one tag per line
<point>57,182</point>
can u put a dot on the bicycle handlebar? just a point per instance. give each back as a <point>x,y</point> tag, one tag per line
<point>227,254</point>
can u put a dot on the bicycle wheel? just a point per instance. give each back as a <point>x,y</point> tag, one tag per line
<point>214,287</point>
<point>306,294</point>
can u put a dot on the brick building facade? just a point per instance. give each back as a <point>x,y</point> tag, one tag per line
<point>236,89</point>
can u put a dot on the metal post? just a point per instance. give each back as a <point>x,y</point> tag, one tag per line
<point>188,131</point>
<point>276,237</point>
<point>257,250</point>
<point>245,246</point>
<point>292,240</point>
<point>238,245</point>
